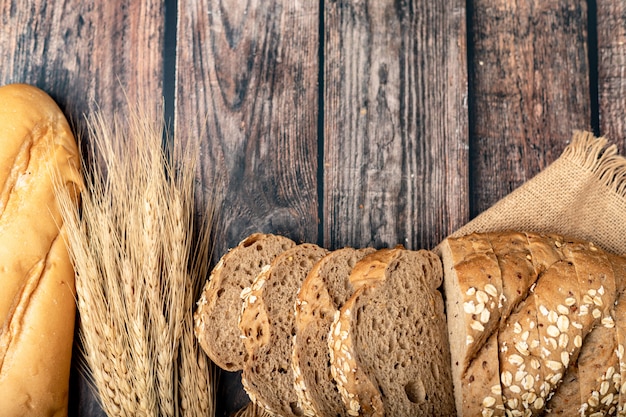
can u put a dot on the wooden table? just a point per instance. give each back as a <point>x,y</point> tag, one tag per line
<point>348,122</point>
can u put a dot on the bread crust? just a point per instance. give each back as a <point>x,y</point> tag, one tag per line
<point>37,306</point>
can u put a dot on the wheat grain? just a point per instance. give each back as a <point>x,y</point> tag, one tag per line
<point>131,245</point>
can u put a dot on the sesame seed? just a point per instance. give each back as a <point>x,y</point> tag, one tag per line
<point>491,290</point>
<point>604,387</point>
<point>469,307</point>
<point>507,378</point>
<point>484,316</point>
<point>482,297</point>
<point>570,301</point>
<point>607,399</point>
<point>553,316</point>
<point>578,341</point>
<point>594,400</point>
<point>561,309</point>
<point>556,378</point>
<point>553,331</point>
<point>471,291</point>
<point>565,358</point>
<point>516,360</point>
<point>522,347</point>
<point>562,323</point>
<point>534,363</point>
<point>543,310</point>
<point>477,326</point>
<point>489,402</point>
<point>528,382</point>
<point>608,322</point>
<point>554,365</point>
<point>480,307</point>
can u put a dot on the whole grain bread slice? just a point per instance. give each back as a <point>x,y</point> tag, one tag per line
<point>323,293</point>
<point>217,315</point>
<point>389,343</point>
<point>268,326</point>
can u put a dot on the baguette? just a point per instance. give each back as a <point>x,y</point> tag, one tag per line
<point>37,305</point>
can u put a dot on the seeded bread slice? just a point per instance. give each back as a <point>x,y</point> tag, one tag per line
<point>268,326</point>
<point>389,343</point>
<point>324,291</point>
<point>217,316</point>
<point>474,319</point>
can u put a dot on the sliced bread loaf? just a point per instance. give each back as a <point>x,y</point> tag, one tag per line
<point>268,326</point>
<point>389,343</point>
<point>559,336</point>
<point>216,318</point>
<point>322,294</point>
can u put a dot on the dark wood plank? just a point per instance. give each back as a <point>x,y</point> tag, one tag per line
<point>611,31</point>
<point>529,89</point>
<point>395,122</point>
<point>84,54</point>
<point>247,89</point>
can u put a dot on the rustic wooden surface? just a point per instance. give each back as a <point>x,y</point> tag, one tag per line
<point>347,122</point>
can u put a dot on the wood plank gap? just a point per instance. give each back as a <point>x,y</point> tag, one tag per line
<point>320,126</point>
<point>592,51</point>
<point>471,101</point>
<point>169,66</point>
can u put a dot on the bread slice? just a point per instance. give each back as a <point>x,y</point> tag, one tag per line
<point>389,343</point>
<point>268,326</point>
<point>323,293</point>
<point>472,269</point>
<point>217,315</point>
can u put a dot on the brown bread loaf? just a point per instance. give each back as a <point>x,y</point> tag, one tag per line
<point>217,316</point>
<point>559,334</point>
<point>37,307</point>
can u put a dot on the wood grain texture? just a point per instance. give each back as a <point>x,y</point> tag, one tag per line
<point>395,122</point>
<point>85,55</point>
<point>247,90</point>
<point>611,31</point>
<point>529,84</point>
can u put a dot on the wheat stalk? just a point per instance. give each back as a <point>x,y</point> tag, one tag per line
<point>140,261</point>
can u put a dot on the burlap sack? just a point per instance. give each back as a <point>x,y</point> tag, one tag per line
<point>582,194</point>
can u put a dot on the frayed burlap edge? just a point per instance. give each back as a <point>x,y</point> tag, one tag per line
<point>582,194</point>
